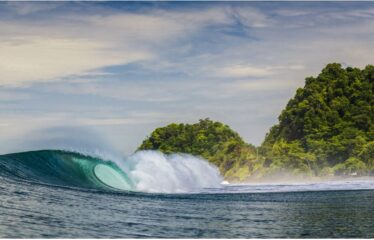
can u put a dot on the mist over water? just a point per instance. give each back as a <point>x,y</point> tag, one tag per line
<point>177,173</point>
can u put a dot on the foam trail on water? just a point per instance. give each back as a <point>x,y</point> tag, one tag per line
<point>156,172</point>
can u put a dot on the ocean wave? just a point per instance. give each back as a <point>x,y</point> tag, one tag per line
<point>144,171</point>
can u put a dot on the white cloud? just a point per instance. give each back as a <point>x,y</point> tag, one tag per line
<point>137,27</point>
<point>71,44</point>
<point>128,90</point>
<point>246,71</point>
<point>45,52</point>
<point>294,13</point>
<point>43,59</point>
<point>259,85</point>
<point>239,71</point>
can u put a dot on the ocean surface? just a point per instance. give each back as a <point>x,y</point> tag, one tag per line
<point>58,194</point>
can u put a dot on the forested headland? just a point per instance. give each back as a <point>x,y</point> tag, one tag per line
<point>326,129</point>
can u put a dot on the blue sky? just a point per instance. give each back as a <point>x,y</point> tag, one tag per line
<point>122,69</point>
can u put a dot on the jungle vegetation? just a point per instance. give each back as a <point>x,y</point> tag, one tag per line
<point>328,126</point>
<point>325,129</point>
<point>214,141</point>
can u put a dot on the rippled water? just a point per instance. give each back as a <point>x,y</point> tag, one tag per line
<point>35,210</point>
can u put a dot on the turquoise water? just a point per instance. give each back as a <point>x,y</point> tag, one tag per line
<point>60,194</point>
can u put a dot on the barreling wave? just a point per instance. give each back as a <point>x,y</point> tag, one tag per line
<point>145,171</point>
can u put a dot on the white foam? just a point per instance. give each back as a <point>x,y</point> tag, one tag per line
<point>155,172</point>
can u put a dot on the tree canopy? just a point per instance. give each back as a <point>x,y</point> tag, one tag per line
<point>326,128</point>
<point>329,123</point>
<point>211,140</point>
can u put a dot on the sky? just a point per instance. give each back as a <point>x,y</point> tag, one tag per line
<point>114,71</point>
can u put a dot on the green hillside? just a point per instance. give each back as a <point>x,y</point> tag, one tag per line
<point>211,140</point>
<point>327,127</point>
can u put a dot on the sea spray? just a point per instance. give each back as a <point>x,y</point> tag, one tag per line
<point>152,171</point>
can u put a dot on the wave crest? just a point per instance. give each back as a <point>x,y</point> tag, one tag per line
<point>153,171</point>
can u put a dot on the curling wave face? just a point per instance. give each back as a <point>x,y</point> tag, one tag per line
<point>146,171</point>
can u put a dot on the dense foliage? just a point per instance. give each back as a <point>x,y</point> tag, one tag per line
<point>327,128</point>
<point>211,140</point>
